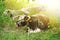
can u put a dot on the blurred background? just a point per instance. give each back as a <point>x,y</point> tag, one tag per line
<point>8,29</point>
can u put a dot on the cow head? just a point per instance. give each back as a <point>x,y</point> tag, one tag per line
<point>22,21</point>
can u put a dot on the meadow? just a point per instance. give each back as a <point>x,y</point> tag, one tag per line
<point>9,31</point>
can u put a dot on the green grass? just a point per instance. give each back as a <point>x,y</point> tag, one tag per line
<point>19,35</point>
<point>45,36</point>
<point>12,36</point>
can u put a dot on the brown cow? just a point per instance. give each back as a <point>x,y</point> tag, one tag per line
<point>34,22</point>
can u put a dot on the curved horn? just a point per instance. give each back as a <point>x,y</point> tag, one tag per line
<point>28,18</point>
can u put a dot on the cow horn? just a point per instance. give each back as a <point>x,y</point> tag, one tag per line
<point>28,18</point>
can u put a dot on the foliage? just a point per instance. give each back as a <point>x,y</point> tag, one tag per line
<point>16,4</point>
<point>4,19</point>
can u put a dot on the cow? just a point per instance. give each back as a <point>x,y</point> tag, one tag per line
<point>34,23</point>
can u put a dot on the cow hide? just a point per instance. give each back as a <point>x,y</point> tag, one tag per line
<point>34,22</point>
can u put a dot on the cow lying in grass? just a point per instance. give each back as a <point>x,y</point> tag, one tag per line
<point>35,23</point>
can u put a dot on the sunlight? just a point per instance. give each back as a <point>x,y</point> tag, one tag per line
<point>52,6</point>
<point>18,0</point>
<point>50,3</point>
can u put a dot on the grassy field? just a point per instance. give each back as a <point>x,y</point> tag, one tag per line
<point>8,30</point>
